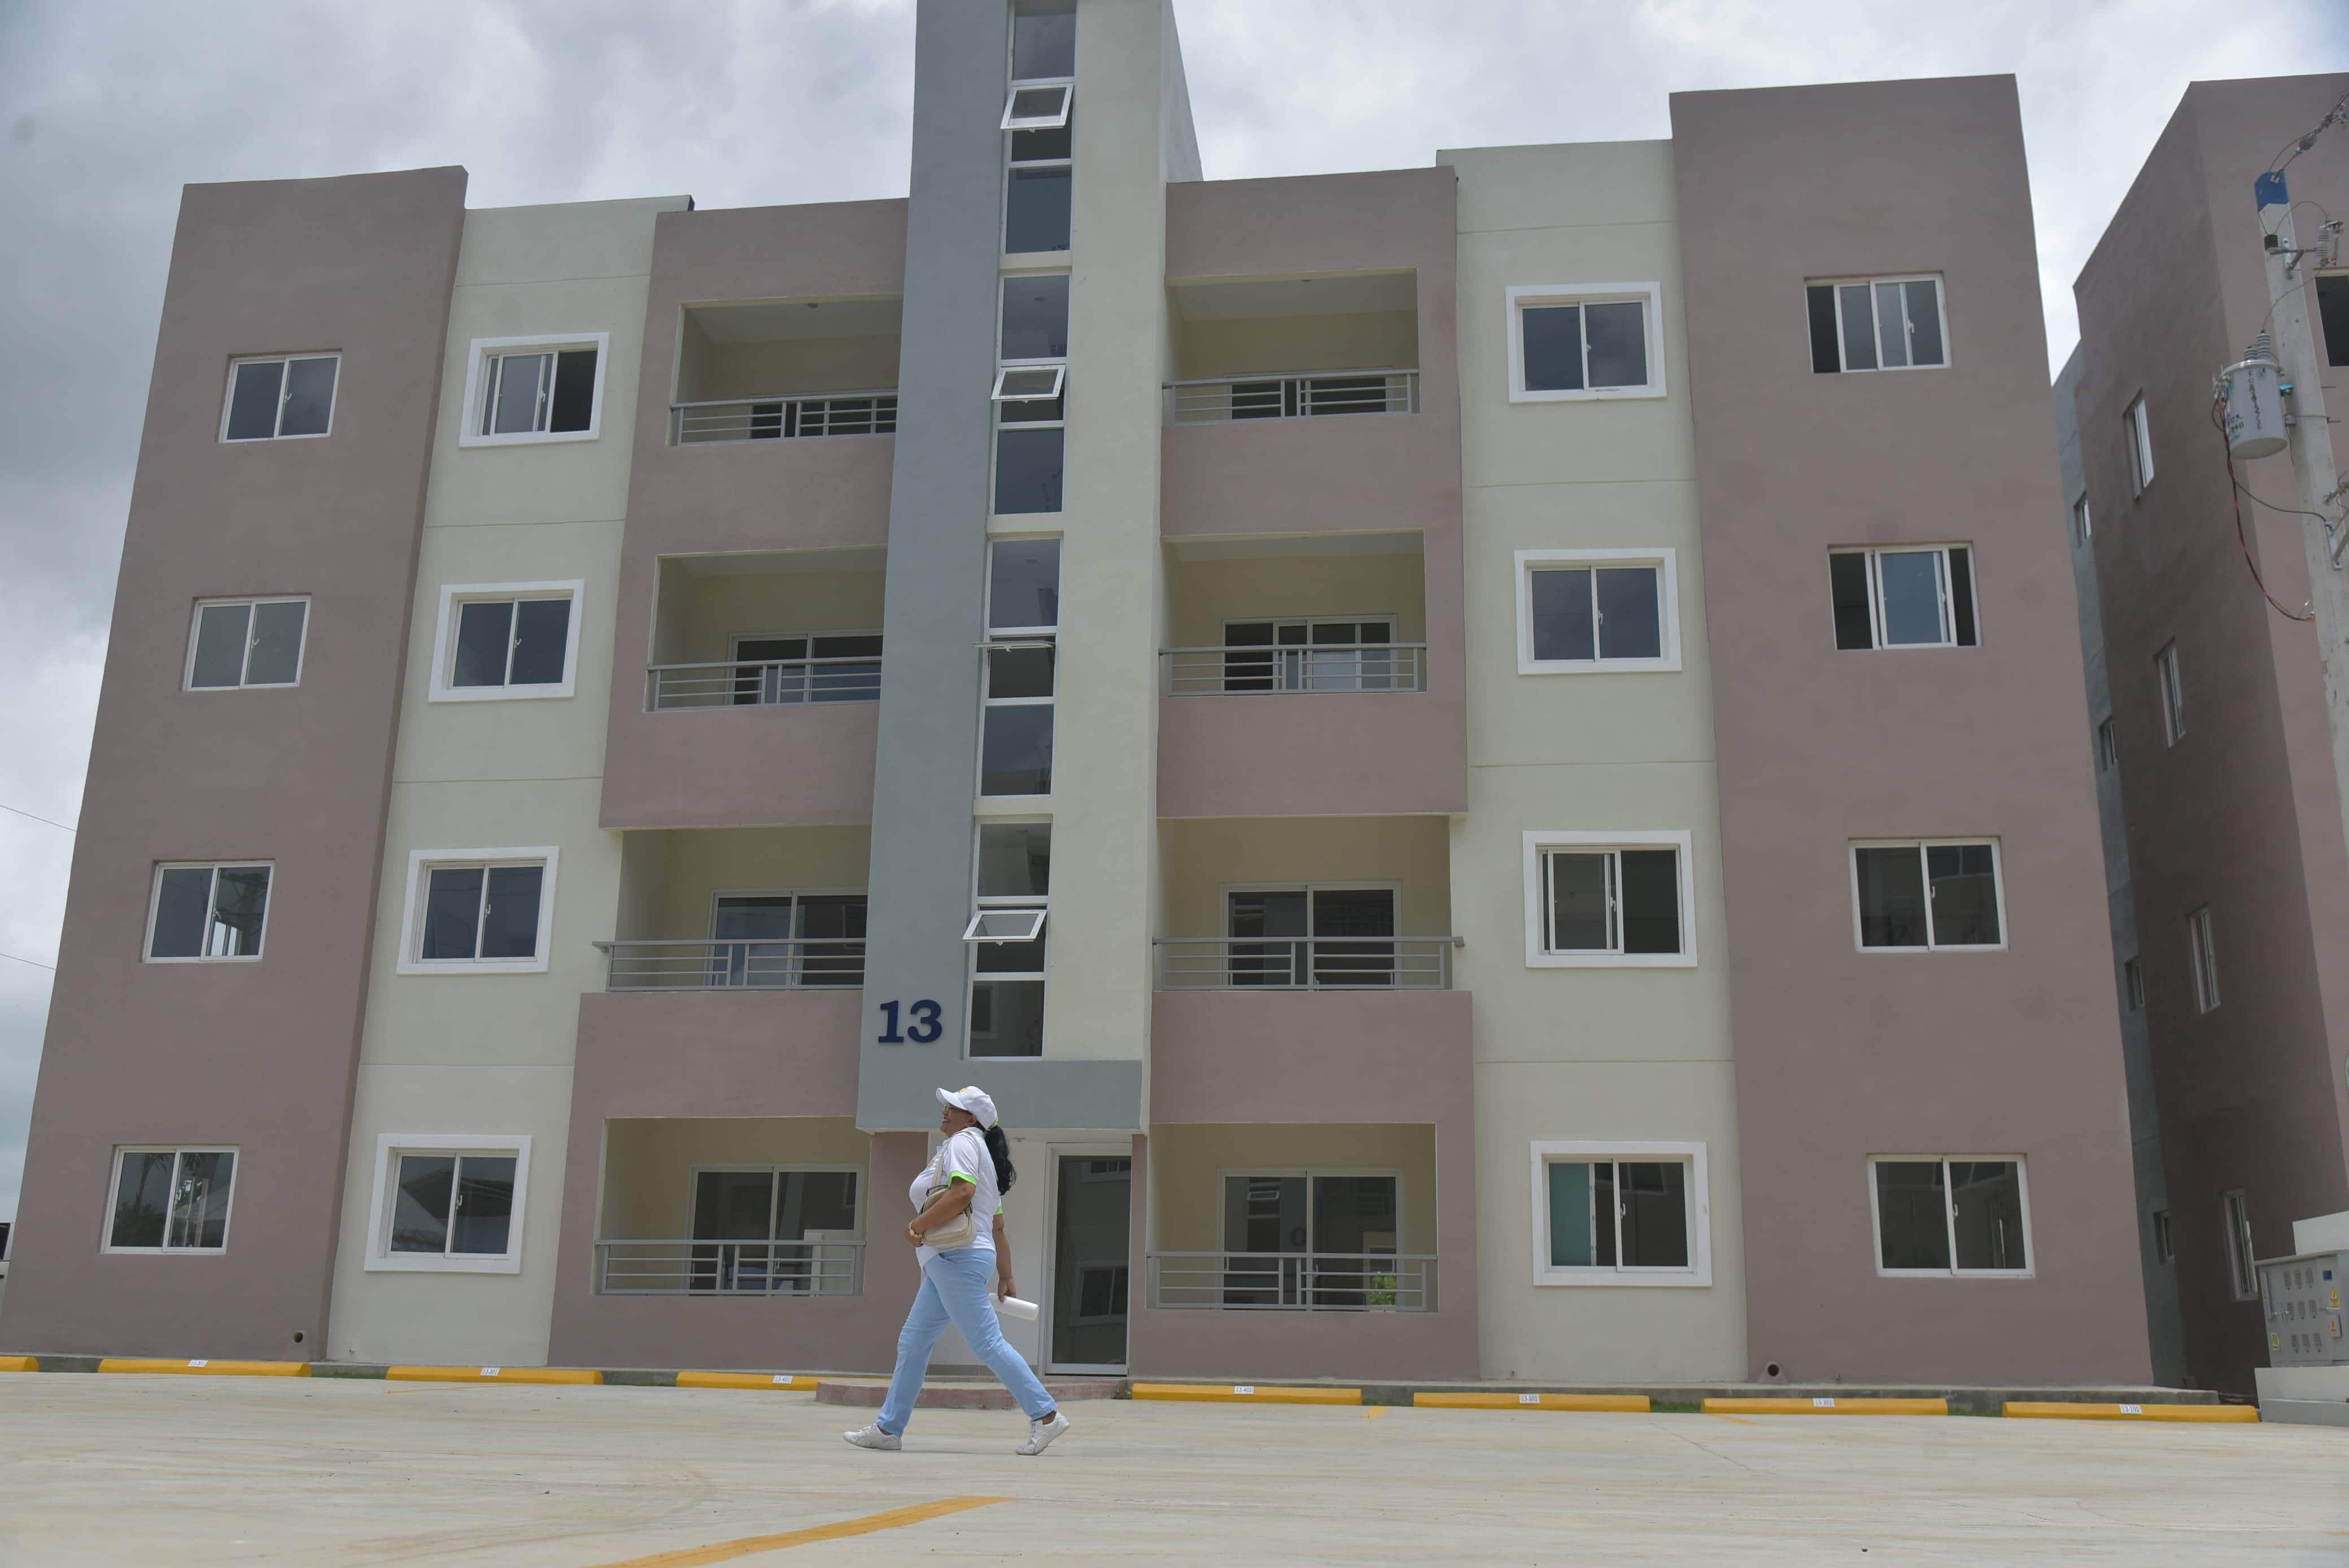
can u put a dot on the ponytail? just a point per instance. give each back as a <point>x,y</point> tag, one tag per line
<point>998,1148</point>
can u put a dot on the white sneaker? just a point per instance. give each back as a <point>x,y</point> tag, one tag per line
<point>1041,1434</point>
<point>872,1436</point>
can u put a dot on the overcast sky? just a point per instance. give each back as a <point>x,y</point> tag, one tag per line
<point>106,110</point>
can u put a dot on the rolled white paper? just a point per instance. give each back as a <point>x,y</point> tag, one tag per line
<point>1012,1307</point>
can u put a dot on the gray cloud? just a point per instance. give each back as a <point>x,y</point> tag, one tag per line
<point>108,109</point>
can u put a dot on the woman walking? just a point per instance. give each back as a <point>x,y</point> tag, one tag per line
<point>959,1234</point>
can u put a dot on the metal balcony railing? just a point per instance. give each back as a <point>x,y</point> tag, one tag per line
<point>1221,398</point>
<point>825,1266</point>
<point>1294,1282</point>
<point>780,417</point>
<point>735,684</point>
<point>1305,963</point>
<point>1201,672</point>
<point>767,964</point>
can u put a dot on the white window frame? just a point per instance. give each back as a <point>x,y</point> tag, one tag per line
<point>196,628</point>
<point>1944,583</point>
<point>477,387</point>
<point>1540,841</point>
<point>1698,1274</point>
<point>2242,1275</point>
<point>2202,958</point>
<point>1309,1173</point>
<point>1949,1217</point>
<point>1666,561</point>
<point>1520,297</point>
<point>1940,305</point>
<point>1059,369</point>
<point>1051,120</point>
<point>114,1193</point>
<point>1025,922</point>
<point>390,1146</point>
<point>987,701</point>
<point>1998,892</point>
<point>1000,904</point>
<point>411,923</point>
<point>1019,634</point>
<point>454,595</point>
<point>2083,526</point>
<point>155,902</point>
<point>228,397</point>
<point>774,1193</point>
<point>2138,432</point>
<point>2171,679</point>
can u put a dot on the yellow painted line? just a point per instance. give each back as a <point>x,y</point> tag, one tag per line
<point>726,1551</point>
<point>1374,1412</point>
<point>2060,1411</point>
<point>1633,1404</point>
<point>784,1380</point>
<point>1739,1420</point>
<point>1825,1407</point>
<point>206,1368</point>
<point>492,1374</point>
<point>1247,1394</point>
<point>19,1364</point>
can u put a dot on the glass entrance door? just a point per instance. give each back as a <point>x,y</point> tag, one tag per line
<point>1091,1234</point>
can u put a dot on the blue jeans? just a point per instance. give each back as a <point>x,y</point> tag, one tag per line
<point>954,1289</point>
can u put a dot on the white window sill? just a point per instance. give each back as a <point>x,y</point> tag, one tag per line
<point>1597,666</point>
<point>1955,947</point>
<point>1682,1279</point>
<point>472,966</point>
<point>237,958</point>
<point>1611,960</point>
<point>1883,1273</point>
<point>1585,394</point>
<point>502,693</point>
<point>159,1252</point>
<point>426,1262</point>
<point>264,440</point>
<point>526,438</point>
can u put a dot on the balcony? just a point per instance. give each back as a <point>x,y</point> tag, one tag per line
<point>780,652</point>
<point>1293,1281</point>
<point>786,369</point>
<point>744,909</point>
<point>730,1238</point>
<point>1304,964</point>
<point>1215,398</point>
<point>765,964</point>
<point>1303,680</point>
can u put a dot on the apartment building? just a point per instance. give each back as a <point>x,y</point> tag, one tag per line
<point>2214,735</point>
<point>1478,756</point>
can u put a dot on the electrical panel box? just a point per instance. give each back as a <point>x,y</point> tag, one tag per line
<point>2300,1299</point>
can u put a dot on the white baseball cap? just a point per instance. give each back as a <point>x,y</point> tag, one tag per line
<point>973,1100</point>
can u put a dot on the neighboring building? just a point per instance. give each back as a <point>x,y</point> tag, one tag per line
<point>2240,887</point>
<point>1557,849</point>
<point>2156,1252</point>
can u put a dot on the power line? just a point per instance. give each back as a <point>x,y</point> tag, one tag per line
<point>52,823</point>
<point>34,962</point>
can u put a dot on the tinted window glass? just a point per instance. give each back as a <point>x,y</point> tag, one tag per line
<point>1564,624</point>
<point>1821,301</point>
<point>1651,900</point>
<point>1964,892</point>
<point>240,896</point>
<point>1570,1215</point>
<point>276,657</point>
<point>252,403</point>
<point>1847,583</point>
<point>1891,335</point>
<point>182,912</point>
<point>1024,584</point>
<point>1924,322</point>
<point>199,1202</point>
<point>1027,471</point>
<point>1986,1211</point>
<point>309,400</point>
<point>1618,342</point>
<point>574,390</point>
<point>1036,316</point>
<point>484,1213</point>
<point>1859,328</point>
<point>1911,581</point>
<point>1653,1198</point>
<point>2332,308</point>
<point>510,924</point>
<point>419,1215</point>
<point>1007,1018</point>
<point>542,630</point>
<point>221,632</point>
<point>1577,903</point>
<point>1015,860</point>
<point>515,399</point>
<point>484,640</point>
<point>141,1200</point>
<point>1911,1214</point>
<point>1043,46</point>
<point>1962,596</point>
<point>1629,622</point>
<point>1016,752</point>
<point>1036,210</point>
<point>1553,347</point>
<point>1891,897</point>
<point>452,912</point>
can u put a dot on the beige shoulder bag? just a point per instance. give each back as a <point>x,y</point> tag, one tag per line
<point>959,1232</point>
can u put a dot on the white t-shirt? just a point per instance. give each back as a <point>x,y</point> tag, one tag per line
<point>964,1155</point>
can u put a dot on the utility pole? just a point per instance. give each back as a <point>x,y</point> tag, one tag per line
<point>2308,434</point>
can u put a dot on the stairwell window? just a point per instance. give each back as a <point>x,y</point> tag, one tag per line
<point>1011,901</point>
<point>2240,1254</point>
<point>449,1203</point>
<point>2139,437</point>
<point>2173,695</point>
<point>479,912</point>
<point>2082,530</point>
<point>2108,746</point>
<point>1877,323</point>
<point>1576,342</point>
<point>2202,955</point>
<point>1956,1214</point>
<point>1580,611</point>
<point>238,642</point>
<point>1621,1213</point>
<point>274,399</point>
<point>506,640</point>
<point>545,388</point>
<point>1930,896</point>
<point>1911,597</point>
<point>1038,120</point>
<point>1019,667</point>
<point>170,1200</point>
<point>1610,900</point>
<point>208,914</point>
<point>2133,983</point>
